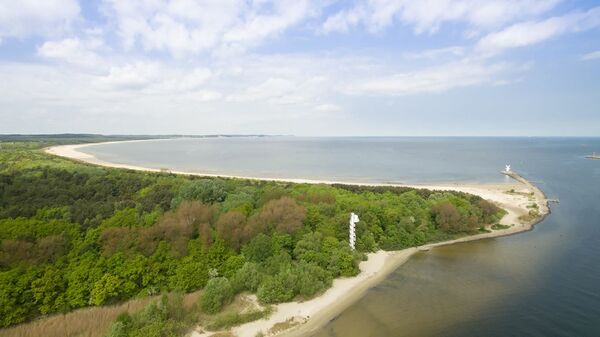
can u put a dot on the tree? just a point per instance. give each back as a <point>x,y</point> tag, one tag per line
<point>48,291</point>
<point>232,265</point>
<point>230,228</point>
<point>311,279</point>
<point>488,209</point>
<point>14,251</point>
<point>283,215</point>
<point>125,218</point>
<point>278,288</point>
<point>108,287</point>
<point>206,190</point>
<point>81,275</point>
<point>258,249</point>
<point>247,278</point>
<point>240,201</point>
<point>447,216</point>
<point>178,227</point>
<point>308,249</point>
<point>216,294</point>
<point>189,275</point>
<point>117,239</point>
<point>157,196</point>
<point>50,248</point>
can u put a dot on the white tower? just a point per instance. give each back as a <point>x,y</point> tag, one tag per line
<point>507,169</point>
<point>353,220</point>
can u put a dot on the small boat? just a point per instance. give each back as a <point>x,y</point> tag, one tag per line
<point>593,156</point>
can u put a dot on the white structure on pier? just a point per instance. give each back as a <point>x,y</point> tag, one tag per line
<point>353,220</point>
<point>507,169</point>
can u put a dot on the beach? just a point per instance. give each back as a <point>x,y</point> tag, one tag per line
<point>305,317</point>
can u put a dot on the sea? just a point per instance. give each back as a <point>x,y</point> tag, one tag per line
<point>545,282</point>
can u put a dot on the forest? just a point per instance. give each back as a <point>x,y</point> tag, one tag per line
<point>75,235</point>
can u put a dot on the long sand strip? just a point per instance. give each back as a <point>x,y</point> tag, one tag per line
<point>302,318</point>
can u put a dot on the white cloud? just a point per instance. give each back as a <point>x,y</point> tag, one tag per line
<point>154,78</point>
<point>177,27</point>
<point>131,76</point>
<point>274,89</point>
<point>429,80</point>
<point>24,18</point>
<point>73,50</point>
<point>257,27</point>
<point>437,53</point>
<point>207,95</point>
<point>591,56</point>
<point>429,15</point>
<point>328,107</point>
<point>532,32</point>
<point>190,27</point>
<point>194,80</point>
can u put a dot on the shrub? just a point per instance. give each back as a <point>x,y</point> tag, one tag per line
<point>258,249</point>
<point>246,278</point>
<point>279,288</point>
<point>205,190</point>
<point>217,293</point>
<point>283,215</point>
<point>447,216</point>
<point>230,228</point>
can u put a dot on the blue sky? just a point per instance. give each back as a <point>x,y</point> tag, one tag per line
<point>364,67</point>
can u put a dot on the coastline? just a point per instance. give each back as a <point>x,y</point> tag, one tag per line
<point>311,315</point>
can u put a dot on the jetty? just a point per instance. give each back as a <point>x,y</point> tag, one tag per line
<point>536,191</point>
<point>593,156</point>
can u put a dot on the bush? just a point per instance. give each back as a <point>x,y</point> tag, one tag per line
<point>189,275</point>
<point>311,280</point>
<point>228,320</point>
<point>217,293</point>
<point>258,249</point>
<point>205,190</point>
<point>164,318</point>
<point>278,288</point>
<point>283,216</point>
<point>447,217</point>
<point>246,278</point>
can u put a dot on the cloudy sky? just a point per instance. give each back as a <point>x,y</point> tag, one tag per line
<point>326,67</point>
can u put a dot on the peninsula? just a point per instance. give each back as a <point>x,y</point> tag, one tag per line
<point>523,202</point>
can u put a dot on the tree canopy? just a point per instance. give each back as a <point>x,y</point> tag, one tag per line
<point>74,235</point>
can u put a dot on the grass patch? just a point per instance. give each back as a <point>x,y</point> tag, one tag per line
<point>525,194</point>
<point>87,322</point>
<point>498,226</point>
<point>532,215</point>
<point>283,326</point>
<point>231,319</point>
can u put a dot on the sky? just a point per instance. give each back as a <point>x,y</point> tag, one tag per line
<point>301,67</point>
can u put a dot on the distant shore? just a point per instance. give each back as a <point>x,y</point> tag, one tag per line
<point>306,317</point>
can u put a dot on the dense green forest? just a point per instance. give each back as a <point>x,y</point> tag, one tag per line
<point>75,235</point>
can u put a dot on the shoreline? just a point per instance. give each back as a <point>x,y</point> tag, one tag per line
<point>71,151</point>
<point>313,314</point>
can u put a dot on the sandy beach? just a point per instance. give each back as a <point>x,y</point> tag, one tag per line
<point>514,196</point>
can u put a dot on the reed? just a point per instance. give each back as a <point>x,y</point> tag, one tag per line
<point>87,322</point>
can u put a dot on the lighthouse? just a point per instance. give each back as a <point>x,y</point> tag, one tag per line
<point>352,230</point>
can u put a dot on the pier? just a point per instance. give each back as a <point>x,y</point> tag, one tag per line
<point>538,193</point>
<point>593,156</point>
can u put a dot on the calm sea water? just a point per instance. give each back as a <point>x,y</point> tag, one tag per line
<point>542,283</point>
